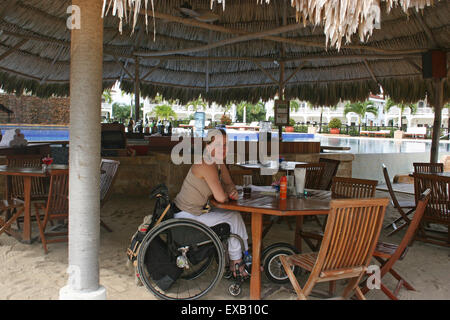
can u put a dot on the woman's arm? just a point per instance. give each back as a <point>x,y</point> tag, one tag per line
<point>211,176</point>
<point>226,179</point>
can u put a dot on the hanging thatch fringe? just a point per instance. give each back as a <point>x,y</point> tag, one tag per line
<point>341,19</point>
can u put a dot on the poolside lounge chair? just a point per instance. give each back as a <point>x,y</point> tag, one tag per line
<point>365,132</point>
<point>416,132</point>
<point>384,133</point>
<point>349,241</point>
<point>190,125</point>
<point>254,125</point>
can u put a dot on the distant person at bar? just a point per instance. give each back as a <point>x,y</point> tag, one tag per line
<point>212,178</point>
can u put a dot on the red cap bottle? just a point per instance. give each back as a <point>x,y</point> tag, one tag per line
<point>283,187</point>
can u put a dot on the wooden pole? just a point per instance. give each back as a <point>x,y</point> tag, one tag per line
<point>438,101</point>
<point>86,73</point>
<point>137,90</point>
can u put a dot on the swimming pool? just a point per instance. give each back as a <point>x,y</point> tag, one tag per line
<point>358,145</point>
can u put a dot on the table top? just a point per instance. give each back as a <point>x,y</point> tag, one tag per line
<point>29,171</point>
<point>316,202</point>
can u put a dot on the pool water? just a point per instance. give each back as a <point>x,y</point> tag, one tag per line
<point>357,144</point>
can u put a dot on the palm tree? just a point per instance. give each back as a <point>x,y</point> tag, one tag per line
<point>294,105</point>
<point>164,111</point>
<point>402,107</point>
<point>197,103</point>
<point>107,96</point>
<point>361,109</point>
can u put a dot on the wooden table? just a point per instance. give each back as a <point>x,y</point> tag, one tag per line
<point>27,174</point>
<point>260,204</point>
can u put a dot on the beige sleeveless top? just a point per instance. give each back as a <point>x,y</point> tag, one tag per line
<point>193,196</point>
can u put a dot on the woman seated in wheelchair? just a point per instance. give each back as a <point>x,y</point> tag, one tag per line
<point>212,178</point>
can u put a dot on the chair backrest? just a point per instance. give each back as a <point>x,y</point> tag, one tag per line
<point>350,236</point>
<point>314,173</point>
<point>38,185</point>
<point>353,188</point>
<point>107,178</point>
<point>331,168</point>
<point>58,194</point>
<point>237,175</point>
<point>425,167</point>
<point>438,207</point>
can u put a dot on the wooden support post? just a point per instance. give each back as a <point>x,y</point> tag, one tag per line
<point>137,90</point>
<point>438,101</point>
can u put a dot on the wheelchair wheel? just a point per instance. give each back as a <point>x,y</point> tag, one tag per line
<point>180,259</point>
<point>273,269</point>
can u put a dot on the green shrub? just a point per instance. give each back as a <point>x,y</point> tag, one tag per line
<point>335,123</point>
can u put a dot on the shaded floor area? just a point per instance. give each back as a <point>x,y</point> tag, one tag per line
<point>29,274</point>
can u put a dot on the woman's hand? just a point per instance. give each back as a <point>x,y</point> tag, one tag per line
<point>233,195</point>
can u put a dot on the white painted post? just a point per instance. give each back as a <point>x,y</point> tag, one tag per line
<point>86,69</point>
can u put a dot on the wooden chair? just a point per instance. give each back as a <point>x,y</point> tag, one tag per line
<point>350,238</point>
<point>56,208</point>
<point>314,173</point>
<point>329,172</point>
<point>388,254</point>
<point>39,189</point>
<point>108,175</point>
<point>404,208</point>
<point>438,209</point>
<point>353,188</point>
<point>425,167</point>
<point>341,188</point>
<point>10,211</point>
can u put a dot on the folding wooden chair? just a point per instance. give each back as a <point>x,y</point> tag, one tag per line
<point>341,188</point>
<point>56,208</point>
<point>349,241</point>
<point>10,211</point>
<point>438,209</point>
<point>425,167</point>
<point>39,190</point>
<point>388,254</point>
<point>405,208</point>
<point>108,175</point>
<point>329,172</point>
<point>314,173</point>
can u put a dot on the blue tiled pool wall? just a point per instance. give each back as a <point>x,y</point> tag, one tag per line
<point>44,133</point>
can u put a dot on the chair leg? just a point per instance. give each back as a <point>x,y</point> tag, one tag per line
<point>287,268</point>
<point>397,229</point>
<point>400,279</point>
<point>352,284</point>
<point>104,225</point>
<point>41,228</point>
<point>8,223</point>
<point>332,287</point>
<point>388,292</point>
<point>359,294</point>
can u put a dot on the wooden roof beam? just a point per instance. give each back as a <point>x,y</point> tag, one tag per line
<point>217,28</point>
<point>299,67</point>
<point>267,73</point>
<point>13,49</point>
<point>369,69</point>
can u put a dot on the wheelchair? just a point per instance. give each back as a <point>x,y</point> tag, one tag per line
<point>185,259</point>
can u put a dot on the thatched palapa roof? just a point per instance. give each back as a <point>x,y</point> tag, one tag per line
<point>244,52</point>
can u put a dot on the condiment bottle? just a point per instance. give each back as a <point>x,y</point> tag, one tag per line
<point>283,187</point>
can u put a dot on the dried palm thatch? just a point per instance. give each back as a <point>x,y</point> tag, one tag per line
<point>339,18</point>
<point>249,53</point>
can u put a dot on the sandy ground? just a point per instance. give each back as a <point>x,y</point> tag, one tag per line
<point>27,273</point>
